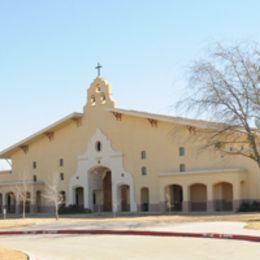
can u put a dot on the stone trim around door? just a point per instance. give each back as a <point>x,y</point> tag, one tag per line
<point>100,153</point>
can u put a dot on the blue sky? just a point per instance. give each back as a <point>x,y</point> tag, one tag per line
<point>48,51</point>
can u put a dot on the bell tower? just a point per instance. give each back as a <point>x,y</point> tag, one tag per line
<point>99,94</point>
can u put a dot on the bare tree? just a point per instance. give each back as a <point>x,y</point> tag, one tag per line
<point>52,193</point>
<point>22,192</point>
<point>226,88</point>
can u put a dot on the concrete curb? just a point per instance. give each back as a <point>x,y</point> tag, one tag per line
<point>29,255</point>
<point>133,233</point>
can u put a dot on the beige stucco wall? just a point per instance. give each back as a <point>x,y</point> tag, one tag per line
<point>131,135</point>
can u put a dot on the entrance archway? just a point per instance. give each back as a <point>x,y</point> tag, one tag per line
<point>144,199</point>
<point>100,184</point>
<point>105,172</point>
<point>79,197</point>
<point>223,196</point>
<point>25,202</point>
<point>63,198</point>
<point>28,202</point>
<point>10,202</point>
<point>38,201</point>
<point>125,198</point>
<point>1,202</point>
<point>174,197</point>
<point>198,197</point>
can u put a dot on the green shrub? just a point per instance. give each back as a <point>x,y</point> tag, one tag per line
<point>74,209</point>
<point>250,206</point>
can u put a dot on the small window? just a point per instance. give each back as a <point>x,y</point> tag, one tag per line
<point>144,171</point>
<point>34,178</point>
<point>62,176</point>
<point>61,162</point>
<point>34,165</point>
<point>98,146</point>
<point>143,155</point>
<point>182,167</point>
<point>181,151</point>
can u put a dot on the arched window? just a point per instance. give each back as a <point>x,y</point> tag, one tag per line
<point>182,167</point>
<point>181,151</point>
<point>98,146</point>
<point>144,170</point>
<point>143,155</point>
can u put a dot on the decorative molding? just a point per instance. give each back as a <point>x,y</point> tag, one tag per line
<point>191,129</point>
<point>50,135</point>
<point>25,148</point>
<point>106,158</point>
<point>78,121</point>
<point>153,122</point>
<point>118,116</point>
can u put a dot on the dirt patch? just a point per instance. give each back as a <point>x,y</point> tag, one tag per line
<point>12,254</point>
<point>254,224</point>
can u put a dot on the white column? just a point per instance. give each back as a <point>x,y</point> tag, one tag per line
<point>71,196</point>
<point>115,198</point>
<point>87,197</point>
<point>133,206</point>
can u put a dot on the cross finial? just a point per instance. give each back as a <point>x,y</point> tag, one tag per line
<point>98,68</point>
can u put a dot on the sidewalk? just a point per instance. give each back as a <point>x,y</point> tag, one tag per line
<point>199,228</point>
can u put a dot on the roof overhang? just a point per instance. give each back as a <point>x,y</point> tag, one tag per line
<point>169,119</point>
<point>6,154</point>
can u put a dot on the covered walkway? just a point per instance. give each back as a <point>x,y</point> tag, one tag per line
<point>205,190</point>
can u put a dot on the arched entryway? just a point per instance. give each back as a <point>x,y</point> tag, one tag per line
<point>10,202</point>
<point>174,197</point>
<point>145,199</point>
<point>38,201</point>
<point>198,197</point>
<point>100,189</point>
<point>28,202</point>
<point>125,197</point>
<point>79,197</point>
<point>223,196</point>
<point>24,201</point>
<point>100,171</point>
<point>63,198</point>
<point>1,202</point>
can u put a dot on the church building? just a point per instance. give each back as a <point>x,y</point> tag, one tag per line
<point>109,159</point>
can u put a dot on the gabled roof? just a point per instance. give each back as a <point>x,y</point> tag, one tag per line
<point>51,128</point>
<point>64,121</point>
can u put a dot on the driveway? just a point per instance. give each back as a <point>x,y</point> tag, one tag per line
<point>136,247</point>
<point>224,227</point>
<point>49,247</point>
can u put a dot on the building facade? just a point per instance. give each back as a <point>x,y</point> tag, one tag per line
<point>111,159</point>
